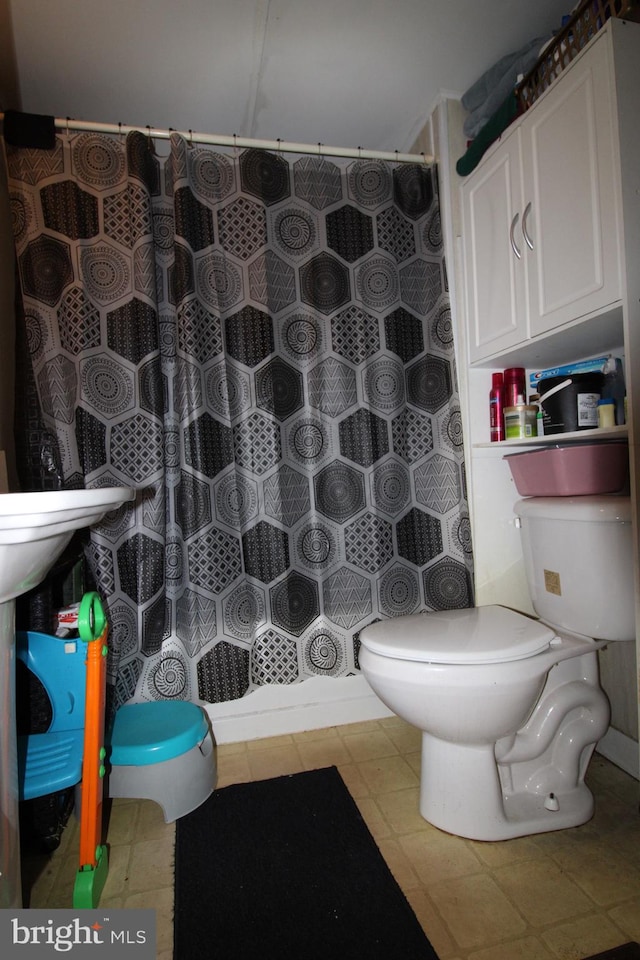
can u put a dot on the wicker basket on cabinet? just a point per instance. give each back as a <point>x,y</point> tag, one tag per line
<point>589,17</point>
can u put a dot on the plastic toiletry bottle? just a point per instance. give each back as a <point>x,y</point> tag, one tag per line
<point>534,400</point>
<point>496,407</point>
<point>606,412</point>
<point>613,386</point>
<point>520,420</point>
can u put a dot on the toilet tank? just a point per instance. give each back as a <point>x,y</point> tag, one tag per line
<point>579,563</point>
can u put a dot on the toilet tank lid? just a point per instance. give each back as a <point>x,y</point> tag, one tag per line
<point>591,509</point>
<point>490,634</point>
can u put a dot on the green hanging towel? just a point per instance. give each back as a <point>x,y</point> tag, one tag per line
<point>501,119</point>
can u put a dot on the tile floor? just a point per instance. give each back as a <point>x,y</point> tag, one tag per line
<point>557,895</point>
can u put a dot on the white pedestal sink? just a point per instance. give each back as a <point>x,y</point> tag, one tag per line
<point>34,530</point>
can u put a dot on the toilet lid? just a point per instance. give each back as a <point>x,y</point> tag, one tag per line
<point>489,634</point>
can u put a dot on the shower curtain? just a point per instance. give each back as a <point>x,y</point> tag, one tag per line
<point>262,346</point>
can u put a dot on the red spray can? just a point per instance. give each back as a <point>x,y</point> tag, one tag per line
<point>514,386</point>
<point>496,407</point>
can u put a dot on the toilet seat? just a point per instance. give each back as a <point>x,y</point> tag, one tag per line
<point>490,634</point>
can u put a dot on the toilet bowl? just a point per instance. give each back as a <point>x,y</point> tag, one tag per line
<point>510,707</point>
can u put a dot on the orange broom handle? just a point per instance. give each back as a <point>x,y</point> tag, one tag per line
<point>94,630</point>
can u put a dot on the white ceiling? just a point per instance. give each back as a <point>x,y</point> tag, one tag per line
<point>342,72</point>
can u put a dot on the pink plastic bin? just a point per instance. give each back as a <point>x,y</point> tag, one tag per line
<point>574,470</point>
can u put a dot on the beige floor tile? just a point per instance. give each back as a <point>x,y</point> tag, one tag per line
<point>400,809</point>
<point>415,762</point>
<point>70,839</point>
<point>355,782</point>
<point>596,869</point>
<point>609,813</point>
<point>398,862</point>
<point>116,884</point>
<point>325,733</point>
<point>578,939</point>
<point>436,856</point>
<point>322,753</point>
<point>150,866</point>
<point>39,876</point>
<point>387,774</point>
<point>61,894</point>
<point>627,917</point>
<point>431,922</point>
<point>555,896</point>
<point>625,788</point>
<point>376,823</point>
<point>278,761</point>
<point>606,775</point>
<point>121,817</point>
<point>527,948</point>
<point>476,911</point>
<point>625,841</point>
<point>364,726</point>
<point>543,892</point>
<point>503,852</point>
<point>233,768</point>
<point>224,750</point>
<point>162,903</point>
<point>151,823</point>
<point>407,739</point>
<point>115,903</point>
<point>369,746</point>
<point>270,743</point>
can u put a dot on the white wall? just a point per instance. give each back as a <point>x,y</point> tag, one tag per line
<point>343,72</point>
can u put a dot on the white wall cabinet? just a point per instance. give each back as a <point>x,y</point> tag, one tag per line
<point>570,169</point>
<point>497,299</point>
<point>540,219</point>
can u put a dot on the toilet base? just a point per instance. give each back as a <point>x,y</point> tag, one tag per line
<point>461,793</point>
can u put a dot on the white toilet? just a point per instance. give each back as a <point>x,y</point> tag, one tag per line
<point>511,707</point>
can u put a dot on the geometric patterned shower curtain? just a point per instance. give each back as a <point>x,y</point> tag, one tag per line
<point>262,347</point>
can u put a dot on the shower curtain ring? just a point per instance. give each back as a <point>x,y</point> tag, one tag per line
<point>67,130</point>
<point>279,142</point>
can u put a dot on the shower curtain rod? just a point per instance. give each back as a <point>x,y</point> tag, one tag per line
<point>284,146</point>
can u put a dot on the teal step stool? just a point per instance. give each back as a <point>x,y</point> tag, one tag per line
<point>162,751</point>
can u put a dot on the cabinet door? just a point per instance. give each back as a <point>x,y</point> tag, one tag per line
<point>570,218</point>
<point>495,276</point>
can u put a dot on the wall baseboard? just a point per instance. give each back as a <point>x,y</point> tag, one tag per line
<point>276,709</point>
<point>621,750</point>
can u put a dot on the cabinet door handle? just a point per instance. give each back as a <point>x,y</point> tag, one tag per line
<point>525,232</point>
<point>511,237</point>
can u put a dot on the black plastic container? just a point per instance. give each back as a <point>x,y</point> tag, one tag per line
<point>575,407</point>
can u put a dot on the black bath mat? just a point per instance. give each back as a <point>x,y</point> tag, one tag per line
<point>286,869</point>
<point>628,951</point>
